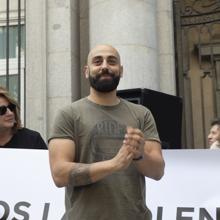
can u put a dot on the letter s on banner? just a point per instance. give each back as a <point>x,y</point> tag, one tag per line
<point>21,212</point>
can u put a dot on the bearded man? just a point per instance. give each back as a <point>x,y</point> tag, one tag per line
<point>102,147</point>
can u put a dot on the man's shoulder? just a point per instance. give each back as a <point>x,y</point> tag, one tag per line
<point>75,104</point>
<point>135,106</point>
<point>69,108</point>
<point>71,111</point>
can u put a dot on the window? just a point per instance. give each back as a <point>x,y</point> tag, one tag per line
<point>13,80</point>
<point>13,56</point>
<point>12,59</point>
<point>13,41</point>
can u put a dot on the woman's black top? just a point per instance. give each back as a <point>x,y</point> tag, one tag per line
<point>26,139</point>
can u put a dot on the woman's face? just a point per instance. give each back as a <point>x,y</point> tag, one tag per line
<point>7,118</point>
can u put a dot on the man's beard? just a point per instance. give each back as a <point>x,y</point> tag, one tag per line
<point>104,85</point>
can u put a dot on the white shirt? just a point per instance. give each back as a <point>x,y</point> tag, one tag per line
<point>215,145</point>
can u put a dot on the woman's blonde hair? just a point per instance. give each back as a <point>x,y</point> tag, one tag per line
<point>5,94</point>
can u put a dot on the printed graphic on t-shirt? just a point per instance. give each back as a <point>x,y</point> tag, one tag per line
<point>106,139</point>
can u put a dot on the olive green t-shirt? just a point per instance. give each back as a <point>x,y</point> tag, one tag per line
<point>98,132</point>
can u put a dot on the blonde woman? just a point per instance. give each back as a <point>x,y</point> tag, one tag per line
<point>12,134</point>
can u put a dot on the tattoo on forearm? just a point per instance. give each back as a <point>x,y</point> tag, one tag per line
<point>80,175</point>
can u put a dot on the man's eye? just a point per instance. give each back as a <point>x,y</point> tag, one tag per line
<point>97,62</point>
<point>112,62</point>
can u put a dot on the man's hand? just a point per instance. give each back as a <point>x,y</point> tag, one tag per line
<point>149,151</point>
<point>134,139</point>
<point>123,158</point>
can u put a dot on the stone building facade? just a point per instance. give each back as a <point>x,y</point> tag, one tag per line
<point>170,46</point>
<point>59,34</point>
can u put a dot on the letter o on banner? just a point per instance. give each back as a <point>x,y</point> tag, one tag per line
<point>6,210</point>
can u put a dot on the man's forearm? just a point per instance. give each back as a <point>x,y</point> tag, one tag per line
<point>152,168</point>
<point>152,164</point>
<point>85,174</point>
<point>80,175</point>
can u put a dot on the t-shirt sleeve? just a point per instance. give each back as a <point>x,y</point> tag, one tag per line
<point>63,126</point>
<point>150,128</point>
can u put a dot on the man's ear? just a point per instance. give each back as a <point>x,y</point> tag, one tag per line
<point>121,71</point>
<point>86,71</point>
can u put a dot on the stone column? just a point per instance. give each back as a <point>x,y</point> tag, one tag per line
<point>130,26</point>
<point>36,66</point>
<point>53,74</point>
<point>84,43</point>
<point>166,46</point>
<point>63,74</point>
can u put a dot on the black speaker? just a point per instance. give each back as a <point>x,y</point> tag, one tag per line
<point>167,112</point>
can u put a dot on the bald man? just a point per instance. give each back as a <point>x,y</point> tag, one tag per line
<point>102,147</point>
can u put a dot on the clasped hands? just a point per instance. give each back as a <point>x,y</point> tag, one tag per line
<point>131,149</point>
<point>134,141</point>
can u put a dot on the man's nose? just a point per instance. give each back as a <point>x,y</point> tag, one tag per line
<point>104,64</point>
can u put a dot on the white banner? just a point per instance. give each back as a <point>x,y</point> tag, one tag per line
<point>27,191</point>
<point>189,189</point>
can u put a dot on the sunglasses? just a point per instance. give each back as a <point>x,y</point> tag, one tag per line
<point>3,108</point>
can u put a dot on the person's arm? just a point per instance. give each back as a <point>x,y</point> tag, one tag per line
<point>65,171</point>
<point>151,163</point>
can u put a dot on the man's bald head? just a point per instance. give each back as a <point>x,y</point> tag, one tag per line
<point>103,49</point>
<point>103,68</point>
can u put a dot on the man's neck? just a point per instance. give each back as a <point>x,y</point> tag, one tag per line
<point>107,99</point>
